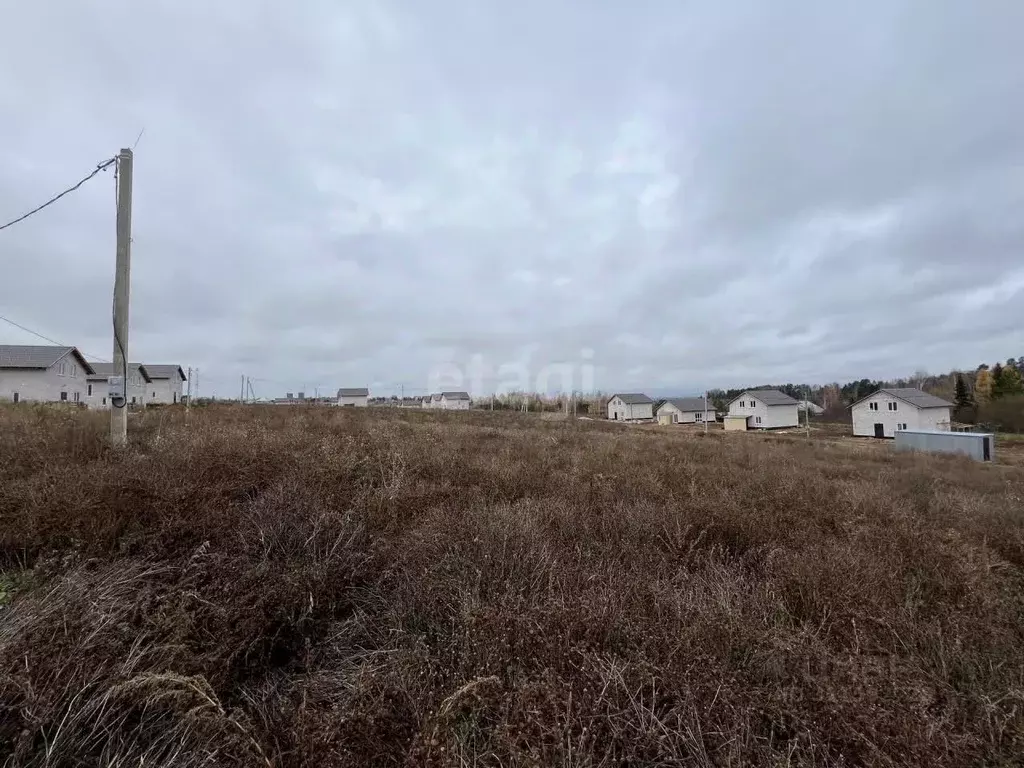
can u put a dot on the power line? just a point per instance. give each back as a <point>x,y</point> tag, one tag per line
<point>47,338</point>
<point>55,198</point>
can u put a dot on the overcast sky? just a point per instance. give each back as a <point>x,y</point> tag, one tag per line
<point>682,194</point>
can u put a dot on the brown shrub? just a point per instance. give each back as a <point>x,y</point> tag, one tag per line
<point>319,587</point>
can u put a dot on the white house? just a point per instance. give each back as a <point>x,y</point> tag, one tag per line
<point>765,409</point>
<point>888,411</point>
<point>164,384</point>
<point>684,410</point>
<point>630,406</point>
<point>357,397</point>
<point>97,389</point>
<point>455,401</point>
<point>35,374</point>
<point>435,400</point>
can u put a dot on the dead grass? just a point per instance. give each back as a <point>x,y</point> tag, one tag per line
<point>336,587</point>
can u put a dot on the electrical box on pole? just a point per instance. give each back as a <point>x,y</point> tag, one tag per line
<point>116,391</point>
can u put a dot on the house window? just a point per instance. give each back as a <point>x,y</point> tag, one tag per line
<point>892,406</point>
<point>133,401</point>
<point>758,419</point>
<point>64,397</point>
<point>904,426</point>
<point>743,404</point>
<point>675,418</point>
<point>78,396</point>
<point>176,397</point>
<point>753,404</point>
<point>873,406</point>
<point>90,390</point>
<point>104,401</point>
<point>154,394</point>
<point>17,397</point>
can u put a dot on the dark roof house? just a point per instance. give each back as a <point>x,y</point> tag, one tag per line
<point>354,392</point>
<point>915,397</point>
<point>632,398</point>
<point>38,357</point>
<point>688,404</point>
<point>163,371</point>
<point>766,396</point>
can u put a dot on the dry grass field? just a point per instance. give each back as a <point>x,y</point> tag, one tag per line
<point>317,587</point>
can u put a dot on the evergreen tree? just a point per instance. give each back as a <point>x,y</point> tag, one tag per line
<point>997,375</point>
<point>963,397</point>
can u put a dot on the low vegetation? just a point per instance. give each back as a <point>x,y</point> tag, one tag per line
<point>314,586</point>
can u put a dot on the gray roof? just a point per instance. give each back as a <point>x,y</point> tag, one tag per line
<point>766,396</point>
<point>28,356</point>
<point>633,398</point>
<point>163,371</point>
<point>915,397</point>
<point>455,395</point>
<point>103,370</point>
<point>688,404</point>
<point>354,392</point>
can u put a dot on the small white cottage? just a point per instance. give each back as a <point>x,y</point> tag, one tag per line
<point>39,374</point>
<point>631,406</point>
<point>889,411</point>
<point>455,401</point>
<point>357,397</point>
<point>764,409</point>
<point>685,410</point>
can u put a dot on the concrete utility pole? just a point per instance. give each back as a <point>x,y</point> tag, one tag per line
<point>705,413</point>
<point>241,392</point>
<point>807,415</point>
<point>188,389</point>
<point>122,282</point>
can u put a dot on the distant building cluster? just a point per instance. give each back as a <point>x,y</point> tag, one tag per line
<point>357,397</point>
<point>53,374</point>
<point>447,401</point>
<point>882,414</point>
<point>755,409</point>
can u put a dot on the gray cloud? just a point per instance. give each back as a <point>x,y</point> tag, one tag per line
<point>700,194</point>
